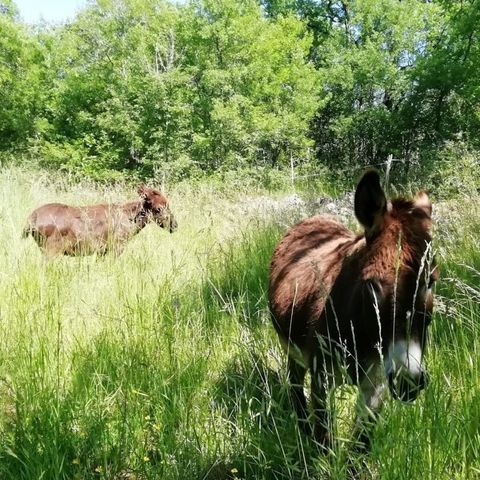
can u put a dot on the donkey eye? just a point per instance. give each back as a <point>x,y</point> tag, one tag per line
<point>424,315</point>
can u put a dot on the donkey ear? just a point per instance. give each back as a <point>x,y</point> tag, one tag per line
<point>422,202</point>
<point>370,200</point>
<point>142,190</point>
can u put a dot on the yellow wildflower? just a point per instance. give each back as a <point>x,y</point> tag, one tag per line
<point>76,461</point>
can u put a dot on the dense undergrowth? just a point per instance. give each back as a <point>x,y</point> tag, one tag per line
<point>162,363</point>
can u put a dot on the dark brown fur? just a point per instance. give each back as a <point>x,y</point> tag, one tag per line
<point>324,284</point>
<point>63,229</point>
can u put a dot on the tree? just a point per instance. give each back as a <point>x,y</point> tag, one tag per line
<point>367,64</point>
<point>20,77</point>
<point>447,78</point>
<point>147,85</point>
<point>255,91</point>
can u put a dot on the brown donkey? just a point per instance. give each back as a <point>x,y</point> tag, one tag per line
<point>355,308</point>
<point>62,229</point>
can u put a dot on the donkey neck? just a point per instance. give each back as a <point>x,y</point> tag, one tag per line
<point>136,213</point>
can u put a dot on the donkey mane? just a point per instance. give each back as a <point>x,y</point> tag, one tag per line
<point>408,228</point>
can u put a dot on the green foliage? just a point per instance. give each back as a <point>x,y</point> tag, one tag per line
<point>19,80</point>
<point>74,158</point>
<point>9,9</point>
<point>185,90</point>
<point>256,92</point>
<point>367,67</point>
<point>144,85</point>
<point>456,172</point>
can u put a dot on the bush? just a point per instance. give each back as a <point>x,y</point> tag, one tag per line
<point>73,157</point>
<point>456,171</point>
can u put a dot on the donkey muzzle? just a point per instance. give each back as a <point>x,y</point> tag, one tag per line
<point>405,387</point>
<point>405,373</point>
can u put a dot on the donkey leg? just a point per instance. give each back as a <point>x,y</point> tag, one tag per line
<point>369,404</point>
<point>53,246</point>
<point>322,427</point>
<point>296,376</point>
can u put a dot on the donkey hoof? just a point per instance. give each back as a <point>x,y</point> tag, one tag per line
<point>324,439</point>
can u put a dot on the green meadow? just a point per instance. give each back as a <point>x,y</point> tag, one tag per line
<point>161,363</point>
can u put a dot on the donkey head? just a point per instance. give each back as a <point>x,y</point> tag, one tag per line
<point>156,208</point>
<point>398,273</point>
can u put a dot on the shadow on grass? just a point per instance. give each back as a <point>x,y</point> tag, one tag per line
<point>254,401</point>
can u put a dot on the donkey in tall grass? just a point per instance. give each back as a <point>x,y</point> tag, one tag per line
<point>66,230</point>
<point>355,308</point>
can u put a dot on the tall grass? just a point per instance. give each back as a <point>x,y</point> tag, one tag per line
<point>162,363</point>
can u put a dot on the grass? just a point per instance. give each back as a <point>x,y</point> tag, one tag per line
<point>162,363</point>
